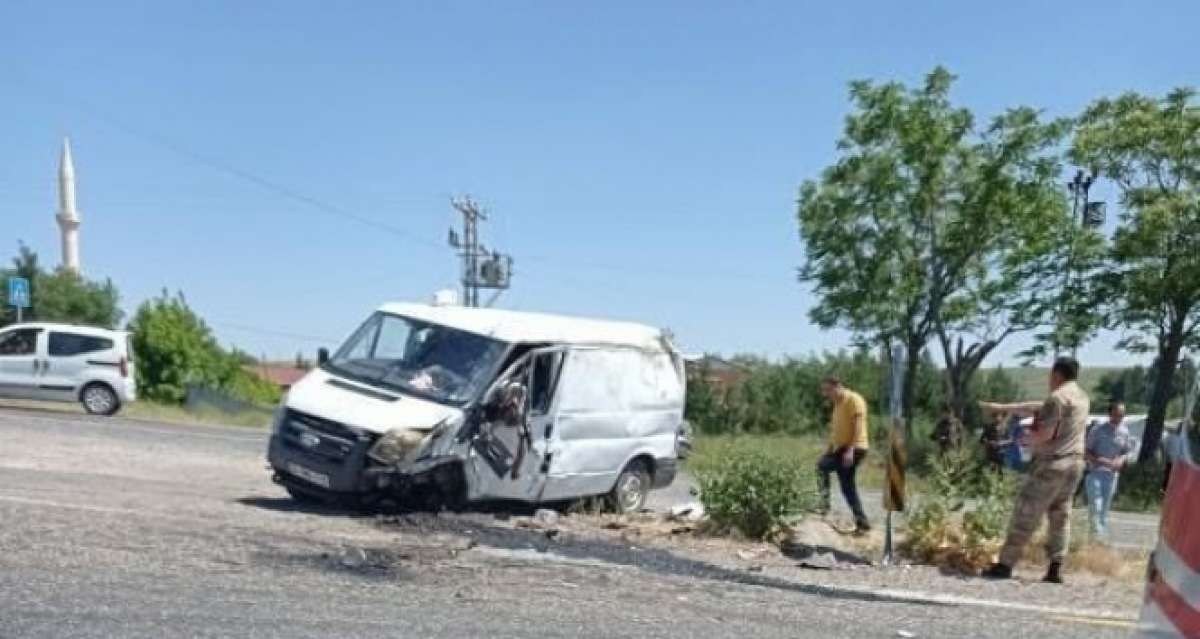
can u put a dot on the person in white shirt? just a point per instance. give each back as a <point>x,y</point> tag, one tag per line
<point>1106,451</point>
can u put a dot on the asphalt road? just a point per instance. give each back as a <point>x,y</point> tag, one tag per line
<point>117,528</point>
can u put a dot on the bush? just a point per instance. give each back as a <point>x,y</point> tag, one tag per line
<point>961,521</point>
<point>755,493</point>
<point>175,349</point>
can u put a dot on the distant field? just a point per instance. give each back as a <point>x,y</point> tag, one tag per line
<point>1032,380</point>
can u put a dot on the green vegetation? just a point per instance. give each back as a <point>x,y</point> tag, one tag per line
<point>960,520</point>
<point>60,296</point>
<point>175,350</point>
<point>755,490</point>
<point>1150,148</point>
<point>929,228</point>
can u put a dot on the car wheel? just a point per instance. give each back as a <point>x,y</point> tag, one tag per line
<point>99,399</point>
<point>633,485</point>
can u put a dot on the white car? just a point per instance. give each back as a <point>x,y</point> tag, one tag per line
<point>60,362</point>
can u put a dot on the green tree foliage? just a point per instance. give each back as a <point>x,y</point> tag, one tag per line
<point>175,349</point>
<point>784,397</point>
<point>1151,148</point>
<point>929,227</point>
<point>1129,385</point>
<point>62,296</point>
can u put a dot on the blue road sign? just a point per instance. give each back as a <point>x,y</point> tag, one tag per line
<point>18,292</point>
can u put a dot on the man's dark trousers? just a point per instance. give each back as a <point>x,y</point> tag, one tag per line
<point>832,463</point>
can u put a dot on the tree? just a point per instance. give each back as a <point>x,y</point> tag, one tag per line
<point>64,296</point>
<point>175,350</point>
<point>916,230</point>
<point>1150,148</point>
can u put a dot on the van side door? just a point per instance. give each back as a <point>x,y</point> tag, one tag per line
<point>509,455</point>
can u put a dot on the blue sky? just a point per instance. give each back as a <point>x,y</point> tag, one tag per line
<point>639,160</point>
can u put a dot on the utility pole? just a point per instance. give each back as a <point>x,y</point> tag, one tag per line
<point>481,269</point>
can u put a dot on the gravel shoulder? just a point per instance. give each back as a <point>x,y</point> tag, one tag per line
<point>127,528</point>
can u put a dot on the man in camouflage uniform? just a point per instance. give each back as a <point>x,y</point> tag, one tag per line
<point>1057,439</point>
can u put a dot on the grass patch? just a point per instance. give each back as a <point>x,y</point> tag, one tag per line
<point>251,418</point>
<point>802,451</point>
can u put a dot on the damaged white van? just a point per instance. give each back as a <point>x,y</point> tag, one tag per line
<point>466,404</point>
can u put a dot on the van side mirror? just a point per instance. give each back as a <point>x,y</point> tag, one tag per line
<point>322,356</point>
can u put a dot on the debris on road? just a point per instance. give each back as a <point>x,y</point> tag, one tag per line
<point>690,512</point>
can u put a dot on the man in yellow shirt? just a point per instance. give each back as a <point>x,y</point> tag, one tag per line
<point>848,444</point>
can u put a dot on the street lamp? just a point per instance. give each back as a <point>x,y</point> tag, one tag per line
<point>1086,214</point>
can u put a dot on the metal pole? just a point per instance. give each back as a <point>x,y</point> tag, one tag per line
<point>19,309</point>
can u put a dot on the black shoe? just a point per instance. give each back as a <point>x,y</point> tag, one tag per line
<point>997,571</point>
<point>862,527</point>
<point>1054,574</point>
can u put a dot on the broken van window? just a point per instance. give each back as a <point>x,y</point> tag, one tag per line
<point>441,363</point>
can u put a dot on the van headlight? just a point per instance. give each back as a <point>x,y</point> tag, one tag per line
<point>395,445</point>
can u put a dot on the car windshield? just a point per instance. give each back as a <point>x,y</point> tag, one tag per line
<point>429,360</point>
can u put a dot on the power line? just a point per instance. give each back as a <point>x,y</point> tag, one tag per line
<point>224,167</point>
<point>273,333</point>
<point>287,192</point>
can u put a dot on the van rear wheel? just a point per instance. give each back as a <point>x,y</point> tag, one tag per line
<point>99,399</point>
<point>633,485</point>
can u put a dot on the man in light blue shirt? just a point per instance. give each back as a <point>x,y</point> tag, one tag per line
<point>1107,448</point>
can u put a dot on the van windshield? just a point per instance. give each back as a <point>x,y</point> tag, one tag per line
<point>440,363</point>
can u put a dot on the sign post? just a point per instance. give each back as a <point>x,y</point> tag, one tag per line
<point>897,461</point>
<point>18,294</point>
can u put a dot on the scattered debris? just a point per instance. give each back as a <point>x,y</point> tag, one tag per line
<point>546,517</point>
<point>819,561</point>
<point>905,634</point>
<point>615,524</point>
<point>353,558</point>
<point>691,511</point>
<point>812,537</point>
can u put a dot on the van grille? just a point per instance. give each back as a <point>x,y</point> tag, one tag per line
<point>320,437</point>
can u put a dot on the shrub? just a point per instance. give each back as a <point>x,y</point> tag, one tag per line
<point>755,492</point>
<point>961,520</point>
<point>175,349</point>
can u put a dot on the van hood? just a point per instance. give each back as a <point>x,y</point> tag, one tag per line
<point>358,405</point>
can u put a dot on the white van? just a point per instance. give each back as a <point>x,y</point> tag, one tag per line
<point>484,404</point>
<point>65,363</point>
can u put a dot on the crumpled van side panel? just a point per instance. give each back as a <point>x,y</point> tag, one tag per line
<point>614,404</point>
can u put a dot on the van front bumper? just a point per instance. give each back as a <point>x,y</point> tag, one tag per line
<point>318,455</point>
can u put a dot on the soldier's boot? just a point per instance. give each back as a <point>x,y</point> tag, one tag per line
<point>1054,573</point>
<point>997,571</point>
<point>862,526</point>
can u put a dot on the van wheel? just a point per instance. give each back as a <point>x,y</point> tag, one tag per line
<point>99,399</point>
<point>632,487</point>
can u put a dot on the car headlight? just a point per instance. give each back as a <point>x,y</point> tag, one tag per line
<point>395,445</point>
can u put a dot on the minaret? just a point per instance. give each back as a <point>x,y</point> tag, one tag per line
<point>68,217</point>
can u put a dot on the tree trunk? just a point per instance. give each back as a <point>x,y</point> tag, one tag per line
<point>1160,395</point>
<point>911,365</point>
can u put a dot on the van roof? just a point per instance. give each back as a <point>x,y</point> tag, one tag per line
<point>522,327</point>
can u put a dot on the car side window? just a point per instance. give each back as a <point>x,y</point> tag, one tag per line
<point>71,344</point>
<point>22,341</point>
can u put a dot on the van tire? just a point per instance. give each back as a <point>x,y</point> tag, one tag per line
<point>302,497</point>
<point>633,485</point>
<point>98,398</point>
